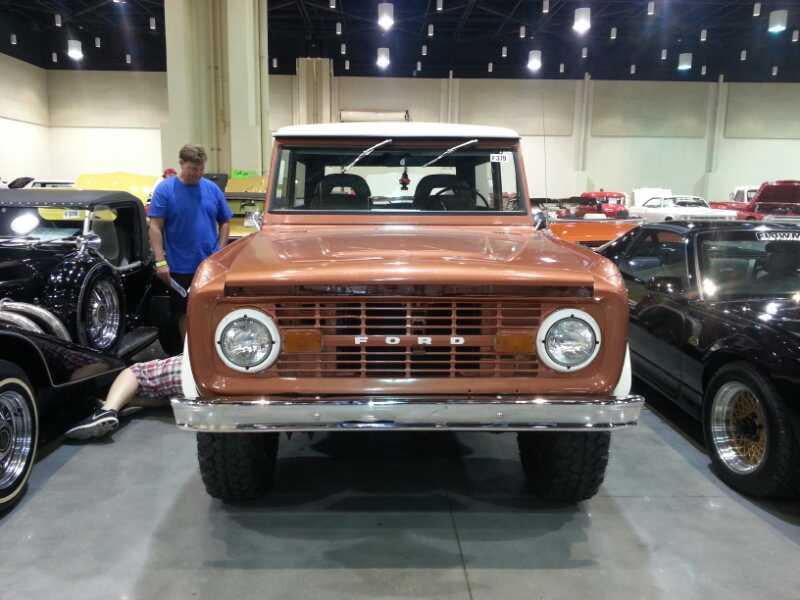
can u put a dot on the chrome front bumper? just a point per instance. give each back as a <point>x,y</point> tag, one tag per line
<point>483,413</point>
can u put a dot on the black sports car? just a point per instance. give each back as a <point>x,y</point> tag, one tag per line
<point>78,265</point>
<point>715,326</point>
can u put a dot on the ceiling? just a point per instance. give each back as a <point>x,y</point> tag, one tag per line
<point>468,35</point>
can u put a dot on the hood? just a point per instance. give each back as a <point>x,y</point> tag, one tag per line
<point>408,254</point>
<point>781,315</point>
<point>22,271</point>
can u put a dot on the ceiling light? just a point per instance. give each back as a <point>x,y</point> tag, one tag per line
<point>343,49</point>
<point>651,8</point>
<point>424,49</point>
<point>54,57</point>
<point>386,15</point>
<point>613,35</point>
<point>743,55</point>
<point>535,60</point>
<point>663,54</point>
<point>383,58</point>
<point>440,5</point>
<point>684,61</point>
<point>545,6</point>
<point>522,31</point>
<point>430,30</point>
<point>274,63</point>
<point>633,69</point>
<point>419,65</point>
<point>584,52</point>
<point>338,28</point>
<point>703,70</point>
<point>777,21</point>
<point>58,20</point>
<point>796,35</point>
<point>332,4</point>
<point>504,51</point>
<point>128,58</point>
<point>775,71</point>
<point>561,68</point>
<point>97,42</point>
<point>74,50</point>
<point>347,65</point>
<point>583,20</point>
<point>13,39</point>
<point>757,9</point>
<point>490,67</point>
<point>703,35</point>
<point>152,23</point>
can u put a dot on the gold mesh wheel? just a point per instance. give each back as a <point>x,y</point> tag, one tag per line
<point>739,428</point>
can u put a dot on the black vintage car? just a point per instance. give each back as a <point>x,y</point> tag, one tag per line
<point>78,265</point>
<point>715,326</point>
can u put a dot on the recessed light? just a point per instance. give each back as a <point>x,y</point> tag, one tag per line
<point>703,70</point>
<point>535,60</point>
<point>385,15</point>
<point>757,9</point>
<point>343,49</point>
<point>152,23</point>
<point>57,19</point>
<point>651,8</point>
<point>522,31</point>
<point>613,35</point>
<point>778,20</point>
<point>332,4</point>
<point>128,58</point>
<point>684,61</point>
<point>419,65</point>
<point>703,35</point>
<point>490,67</point>
<point>633,69</point>
<point>274,63</point>
<point>430,30</point>
<point>74,49</point>
<point>743,55</point>
<point>424,50</point>
<point>13,39</point>
<point>775,71</point>
<point>338,28</point>
<point>584,52</point>
<point>796,35</point>
<point>347,65</point>
<point>98,42</point>
<point>504,51</point>
<point>561,68</point>
<point>383,58</point>
<point>663,54</point>
<point>545,6</point>
<point>54,57</point>
<point>440,5</point>
<point>583,20</point>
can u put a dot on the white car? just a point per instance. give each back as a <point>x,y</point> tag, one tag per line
<point>680,208</point>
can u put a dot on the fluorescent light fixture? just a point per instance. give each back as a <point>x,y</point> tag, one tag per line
<point>440,5</point>
<point>796,35</point>
<point>613,34</point>
<point>663,54</point>
<point>561,68</point>
<point>684,61</point>
<point>97,42</point>
<point>778,20</point>
<point>545,6</point>
<point>583,20</point>
<point>419,65</point>
<point>274,63</point>
<point>651,8</point>
<point>703,70</point>
<point>522,31</point>
<point>775,71</point>
<point>128,58</point>
<point>703,35</point>
<point>343,49</point>
<point>383,58</point>
<point>430,29</point>
<point>152,23</point>
<point>338,28</point>
<point>584,52</point>
<point>58,20</point>
<point>633,69</point>
<point>54,57</point>
<point>504,51</point>
<point>386,15</point>
<point>490,67</point>
<point>347,65</point>
<point>424,49</point>
<point>74,49</point>
<point>743,55</point>
<point>535,60</point>
<point>13,39</point>
<point>757,9</point>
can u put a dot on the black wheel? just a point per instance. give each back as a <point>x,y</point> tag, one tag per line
<point>19,431</point>
<point>749,433</point>
<point>101,318</point>
<point>564,466</point>
<point>237,466</point>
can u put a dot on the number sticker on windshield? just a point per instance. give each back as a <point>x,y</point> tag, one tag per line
<point>72,214</point>
<point>500,158</point>
<point>778,236</point>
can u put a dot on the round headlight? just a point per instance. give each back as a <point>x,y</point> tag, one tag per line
<point>247,340</point>
<point>569,339</point>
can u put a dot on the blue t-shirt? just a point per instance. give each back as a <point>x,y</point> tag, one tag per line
<point>192,214</point>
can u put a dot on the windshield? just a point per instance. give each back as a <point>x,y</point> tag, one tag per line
<point>40,224</point>
<point>748,264</point>
<point>398,178</point>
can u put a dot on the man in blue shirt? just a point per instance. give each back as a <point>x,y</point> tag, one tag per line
<point>189,221</point>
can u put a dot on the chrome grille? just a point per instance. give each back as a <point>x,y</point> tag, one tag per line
<point>476,321</point>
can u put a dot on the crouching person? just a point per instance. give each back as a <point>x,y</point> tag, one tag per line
<point>145,384</point>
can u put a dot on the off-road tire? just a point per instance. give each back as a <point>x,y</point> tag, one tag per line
<point>564,466</point>
<point>779,474</point>
<point>237,467</point>
<point>13,380</point>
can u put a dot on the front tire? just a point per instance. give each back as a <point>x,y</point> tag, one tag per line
<point>749,433</point>
<point>19,432</point>
<point>101,322</point>
<point>237,467</point>
<point>564,466</point>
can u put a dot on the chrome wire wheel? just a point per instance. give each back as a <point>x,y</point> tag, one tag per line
<point>16,437</point>
<point>102,315</point>
<point>739,428</point>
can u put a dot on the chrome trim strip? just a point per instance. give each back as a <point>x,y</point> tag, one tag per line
<point>55,325</point>
<point>20,321</point>
<point>484,413</point>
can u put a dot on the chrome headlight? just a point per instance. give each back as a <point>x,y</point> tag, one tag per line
<point>247,340</point>
<point>568,340</point>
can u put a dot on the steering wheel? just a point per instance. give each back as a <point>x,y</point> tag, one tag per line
<point>455,189</point>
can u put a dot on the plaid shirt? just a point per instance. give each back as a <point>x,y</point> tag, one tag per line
<point>159,378</point>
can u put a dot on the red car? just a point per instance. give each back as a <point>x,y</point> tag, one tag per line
<point>610,204</point>
<point>774,200</point>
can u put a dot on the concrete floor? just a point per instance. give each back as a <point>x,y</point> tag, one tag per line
<point>395,516</point>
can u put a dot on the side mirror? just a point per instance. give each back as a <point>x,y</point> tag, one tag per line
<point>540,220</point>
<point>665,285</point>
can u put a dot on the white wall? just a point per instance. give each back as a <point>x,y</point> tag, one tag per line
<point>24,150</point>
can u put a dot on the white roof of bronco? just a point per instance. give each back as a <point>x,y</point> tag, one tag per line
<point>402,129</point>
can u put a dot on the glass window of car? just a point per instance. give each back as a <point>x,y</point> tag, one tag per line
<point>396,178</point>
<point>656,253</point>
<point>653,203</point>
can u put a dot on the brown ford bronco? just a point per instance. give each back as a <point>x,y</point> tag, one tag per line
<point>397,283</point>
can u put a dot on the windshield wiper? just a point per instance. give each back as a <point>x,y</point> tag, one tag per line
<point>365,153</point>
<point>449,151</point>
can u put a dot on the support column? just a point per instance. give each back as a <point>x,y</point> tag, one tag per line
<point>715,132</point>
<point>313,89</point>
